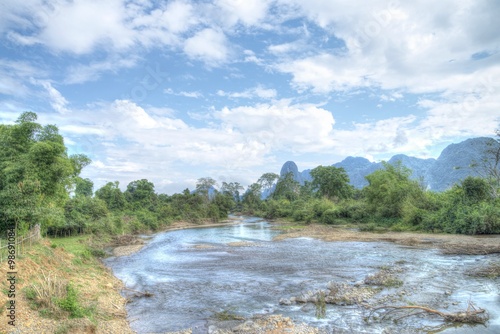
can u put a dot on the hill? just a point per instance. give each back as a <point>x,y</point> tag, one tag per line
<point>453,164</point>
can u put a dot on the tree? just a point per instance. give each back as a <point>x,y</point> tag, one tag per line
<point>251,198</point>
<point>84,187</point>
<point>267,181</point>
<point>141,194</point>
<point>112,196</point>
<point>475,190</point>
<point>204,185</point>
<point>287,188</point>
<point>489,166</point>
<point>34,157</point>
<point>232,189</point>
<point>389,188</point>
<point>331,182</point>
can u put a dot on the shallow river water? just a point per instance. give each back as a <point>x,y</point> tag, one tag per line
<point>191,283</point>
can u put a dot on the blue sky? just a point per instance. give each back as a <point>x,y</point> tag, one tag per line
<point>173,91</point>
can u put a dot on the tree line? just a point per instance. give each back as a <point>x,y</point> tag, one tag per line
<point>390,201</point>
<point>41,184</point>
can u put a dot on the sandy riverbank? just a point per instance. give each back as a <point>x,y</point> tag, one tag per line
<point>448,243</point>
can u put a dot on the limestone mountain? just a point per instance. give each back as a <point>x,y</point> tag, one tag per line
<point>453,164</point>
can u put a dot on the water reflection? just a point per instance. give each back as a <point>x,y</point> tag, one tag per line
<point>196,272</point>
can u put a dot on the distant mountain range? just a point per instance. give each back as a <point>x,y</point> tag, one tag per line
<point>452,166</point>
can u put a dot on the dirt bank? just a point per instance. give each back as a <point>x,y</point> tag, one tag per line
<point>448,243</point>
<point>47,266</point>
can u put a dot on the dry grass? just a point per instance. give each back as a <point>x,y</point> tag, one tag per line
<point>386,277</point>
<point>46,270</point>
<point>45,292</point>
<point>470,316</point>
<point>470,248</point>
<point>491,270</point>
<point>345,294</point>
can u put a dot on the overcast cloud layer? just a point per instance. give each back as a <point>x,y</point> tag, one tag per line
<point>173,91</point>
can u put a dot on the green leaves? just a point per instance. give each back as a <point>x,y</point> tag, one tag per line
<point>389,188</point>
<point>35,172</point>
<point>331,182</point>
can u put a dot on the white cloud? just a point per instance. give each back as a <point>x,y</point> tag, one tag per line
<point>389,135</point>
<point>281,126</point>
<point>80,26</point>
<point>325,73</point>
<point>177,17</point>
<point>209,46</point>
<point>14,76</point>
<point>257,91</point>
<point>194,95</point>
<point>391,97</point>
<point>82,73</point>
<point>286,48</point>
<point>57,101</point>
<point>394,46</point>
<point>248,12</point>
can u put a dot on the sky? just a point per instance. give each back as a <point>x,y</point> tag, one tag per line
<point>173,91</point>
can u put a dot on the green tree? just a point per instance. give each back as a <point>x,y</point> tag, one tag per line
<point>331,182</point>
<point>475,190</point>
<point>389,188</point>
<point>287,188</point>
<point>489,166</point>
<point>112,196</point>
<point>204,185</point>
<point>140,194</point>
<point>252,198</point>
<point>34,157</point>
<point>232,189</point>
<point>267,181</point>
<point>84,187</point>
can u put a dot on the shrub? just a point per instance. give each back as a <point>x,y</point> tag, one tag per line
<point>412,215</point>
<point>303,215</point>
<point>330,216</point>
<point>319,206</point>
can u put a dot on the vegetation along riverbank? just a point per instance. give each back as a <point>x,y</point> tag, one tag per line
<point>64,288</point>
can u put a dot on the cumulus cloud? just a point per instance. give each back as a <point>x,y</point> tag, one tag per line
<point>247,12</point>
<point>395,45</point>
<point>79,26</point>
<point>281,125</point>
<point>209,46</point>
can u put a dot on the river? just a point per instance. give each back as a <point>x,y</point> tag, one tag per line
<point>195,273</point>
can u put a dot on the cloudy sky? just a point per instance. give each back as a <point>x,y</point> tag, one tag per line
<point>176,90</point>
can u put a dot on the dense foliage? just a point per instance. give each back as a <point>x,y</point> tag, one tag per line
<point>391,201</point>
<point>40,184</point>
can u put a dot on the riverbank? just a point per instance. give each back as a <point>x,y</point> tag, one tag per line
<point>130,244</point>
<point>62,288</point>
<point>448,243</point>
<point>62,262</point>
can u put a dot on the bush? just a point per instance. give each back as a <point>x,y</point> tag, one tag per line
<point>330,216</point>
<point>319,206</point>
<point>354,209</point>
<point>304,215</point>
<point>70,303</point>
<point>412,215</point>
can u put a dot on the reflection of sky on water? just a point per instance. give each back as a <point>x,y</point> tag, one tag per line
<point>191,284</point>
